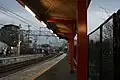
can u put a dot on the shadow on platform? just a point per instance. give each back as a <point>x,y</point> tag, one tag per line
<point>61,71</point>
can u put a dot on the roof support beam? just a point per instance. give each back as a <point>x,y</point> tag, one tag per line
<point>64,28</point>
<point>63,21</point>
<point>63,31</point>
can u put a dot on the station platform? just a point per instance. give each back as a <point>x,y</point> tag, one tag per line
<point>60,71</point>
<point>56,68</point>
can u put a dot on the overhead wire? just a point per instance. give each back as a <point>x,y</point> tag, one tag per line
<point>9,12</point>
<point>19,19</point>
<point>9,15</point>
<point>5,7</point>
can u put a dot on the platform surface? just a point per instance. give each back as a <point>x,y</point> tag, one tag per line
<point>60,71</point>
<point>31,73</point>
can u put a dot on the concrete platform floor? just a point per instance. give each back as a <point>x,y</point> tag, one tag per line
<point>61,71</point>
<point>34,71</point>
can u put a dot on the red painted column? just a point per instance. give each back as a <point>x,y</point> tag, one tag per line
<point>71,53</point>
<point>68,52</point>
<point>82,41</point>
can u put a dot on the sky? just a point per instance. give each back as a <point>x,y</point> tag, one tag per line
<point>18,9</point>
<point>96,13</point>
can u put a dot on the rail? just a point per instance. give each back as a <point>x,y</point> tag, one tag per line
<point>12,68</point>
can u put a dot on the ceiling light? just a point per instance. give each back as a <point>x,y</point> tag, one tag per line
<point>43,24</point>
<point>51,31</point>
<point>55,35</point>
<point>29,11</point>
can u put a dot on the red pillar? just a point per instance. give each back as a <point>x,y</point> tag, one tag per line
<point>68,51</point>
<point>82,41</point>
<point>71,52</point>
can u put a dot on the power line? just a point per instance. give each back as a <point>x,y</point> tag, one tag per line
<point>8,9</point>
<point>5,7</point>
<point>14,14</point>
<point>4,11</point>
<point>10,12</point>
<point>10,15</point>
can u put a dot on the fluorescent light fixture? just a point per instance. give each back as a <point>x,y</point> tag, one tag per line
<point>51,31</point>
<point>55,35</point>
<point>29,11</point>
<point>43,24</point>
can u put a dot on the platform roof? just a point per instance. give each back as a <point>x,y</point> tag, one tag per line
<point>57,14</point>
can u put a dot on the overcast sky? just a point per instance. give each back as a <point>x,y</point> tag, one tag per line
<point>95,12</point>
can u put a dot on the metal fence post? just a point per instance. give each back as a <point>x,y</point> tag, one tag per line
<point>101,38</point>
<point>116,46</point>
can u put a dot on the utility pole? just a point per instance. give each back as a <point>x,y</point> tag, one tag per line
<point>46,37</point>
<point>28,33</point>
<point>18,46</point>
<point>35,40</point>
<point>40,31</point>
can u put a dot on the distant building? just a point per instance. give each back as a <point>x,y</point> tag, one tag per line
<point>2,46</point>
<point>9,34</point>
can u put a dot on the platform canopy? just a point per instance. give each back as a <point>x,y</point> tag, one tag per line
<point>59,15</point>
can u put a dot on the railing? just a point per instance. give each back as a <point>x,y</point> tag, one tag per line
<point>102,49</point>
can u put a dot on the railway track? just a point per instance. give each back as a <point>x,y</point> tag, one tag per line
<point>12,68</point>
